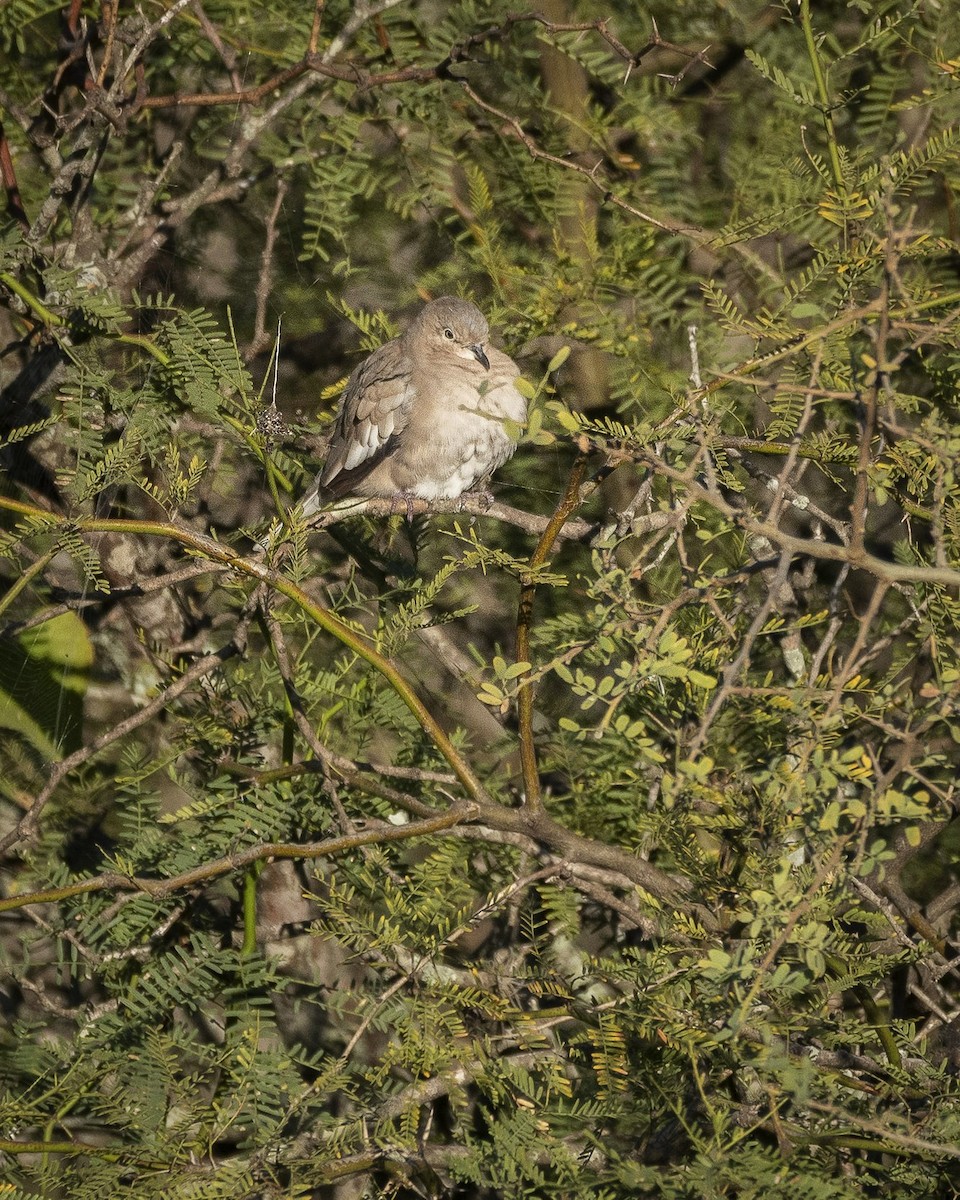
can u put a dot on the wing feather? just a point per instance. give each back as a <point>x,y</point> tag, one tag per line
<point>375,408</point>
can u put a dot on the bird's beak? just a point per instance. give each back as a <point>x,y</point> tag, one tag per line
<point>478,354</point>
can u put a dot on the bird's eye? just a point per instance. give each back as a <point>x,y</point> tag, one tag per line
<point>448,334</point>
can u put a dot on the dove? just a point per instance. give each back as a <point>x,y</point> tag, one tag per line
<point>426,415</point>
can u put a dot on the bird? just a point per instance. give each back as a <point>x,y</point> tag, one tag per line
<point>425,416</point>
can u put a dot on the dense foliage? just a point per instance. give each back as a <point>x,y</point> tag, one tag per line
<point>597,843</point>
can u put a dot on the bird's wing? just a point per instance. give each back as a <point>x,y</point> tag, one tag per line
<point>374,409</point>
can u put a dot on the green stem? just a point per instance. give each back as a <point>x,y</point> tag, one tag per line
<point>872,1013</point>
<point>144,343</point>
<point>821,82</point>
<point>526,690</point>
<point>29,573</point>
<point>881,1028</point>
<point>250,879</point>
<point>39,310</point>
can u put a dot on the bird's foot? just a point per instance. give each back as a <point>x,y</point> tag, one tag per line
<point>403,502</point>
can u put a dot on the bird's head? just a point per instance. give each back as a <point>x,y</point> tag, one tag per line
<point>453,328</point>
